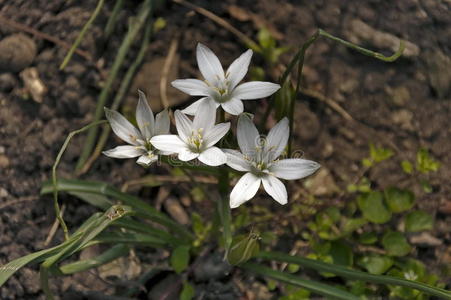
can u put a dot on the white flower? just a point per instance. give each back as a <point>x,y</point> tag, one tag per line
<point>195,139</point>
<point>221,88</point>
<point>258,157</point>
<point>139,140</point>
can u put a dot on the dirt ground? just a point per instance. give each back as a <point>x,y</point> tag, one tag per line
<point>403,105</point>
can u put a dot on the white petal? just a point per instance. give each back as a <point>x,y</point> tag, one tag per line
<point>247,135</point>
<point>183,124</point>
<point>168,142</point>
<point>238,69</point>
<point>186,155</point>
<point>192,87</point>
<point>209,64</point>
<point>213,156</point>
<point>122,127</point>
<point>277,139</point>
<point>144,116</point>
<point>255,90</point>
<point>162,122</point>
<point>124,152</point>
<point>213,135</point>
<point>293,168</point>
<point>205,116</point>
<point>245,189</point>
<point>236,160</point>
<point>234,106</point>
<point>192,109</point>
<point>275,188</point>
<point>145,160</point>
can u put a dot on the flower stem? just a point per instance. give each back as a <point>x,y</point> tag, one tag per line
<point>54,177</point>
<point>82,34</point>
<point>299,59</point>
<point>224,208</point>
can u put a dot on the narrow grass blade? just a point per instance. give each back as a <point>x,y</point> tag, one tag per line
<point>104,258</point>
<point>131,238</point>
<point>96,200</point>
<point>140,207</point>
<point>353,274</point>
<point>10,268</point>
<point>314,286</point>
<point>140,227</point>
<point>82,34</point>
<point>94,226</point>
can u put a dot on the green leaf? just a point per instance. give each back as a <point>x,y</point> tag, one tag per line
<point>93,199</point>
<point>376,264</point>
<point>141,208</point>
<point>106,257</point>
<point>293,268</point>
<point>368,238</point>
<point>89,230</point>
<point>373,207</point>
<point>282,100</point>
<point>341,253</point>
<point>379,154</point>
<point>298,294</point>
<point>425,163</point>
<point>427,188</point>
<point>188,291</point>
<point>265,39</point>
<point>353,274</point>
<point>334,213</point>
<point>313,286</point>
<point>396,244</point>
<point>243,248</point>
<point>418,221</point>
<point>10,268</point>
<point>399,200</point>
<point>180,258</point>
<point>407,166</point>
<point>350,225</point>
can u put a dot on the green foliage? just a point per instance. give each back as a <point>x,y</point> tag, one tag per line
<point>364,186</point>
<point>377,155</point>
<point>201,230</point>
<point>295,293</point>
<point>180,258</point>
<point>243,248</point>
<point>418,221</point>
<point>371,220</point>
<point>188,291</point>
<point>425,163</point>
<point>407,166</point>
<point>373,207</point>
<point>282,100</point>
<point>376,264</point>
<point>341,253</point>
<point>268,47</point>
<point>368,238</point>
<point>395,243</point>
<point>399,200</point>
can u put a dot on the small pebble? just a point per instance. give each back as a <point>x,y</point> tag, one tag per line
<point>17,52</point>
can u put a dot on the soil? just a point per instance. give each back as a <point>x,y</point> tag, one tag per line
<point>405,105</point>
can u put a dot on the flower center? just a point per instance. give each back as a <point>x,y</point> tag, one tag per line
<point>222,89</point>
<point>259,161</point>
<point>196,140</point>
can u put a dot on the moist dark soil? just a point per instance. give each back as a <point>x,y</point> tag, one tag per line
<point>405,106</point>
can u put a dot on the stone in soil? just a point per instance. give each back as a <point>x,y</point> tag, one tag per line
<point>17,52</point>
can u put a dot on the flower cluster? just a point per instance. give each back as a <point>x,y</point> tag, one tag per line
<point>258,156</point>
